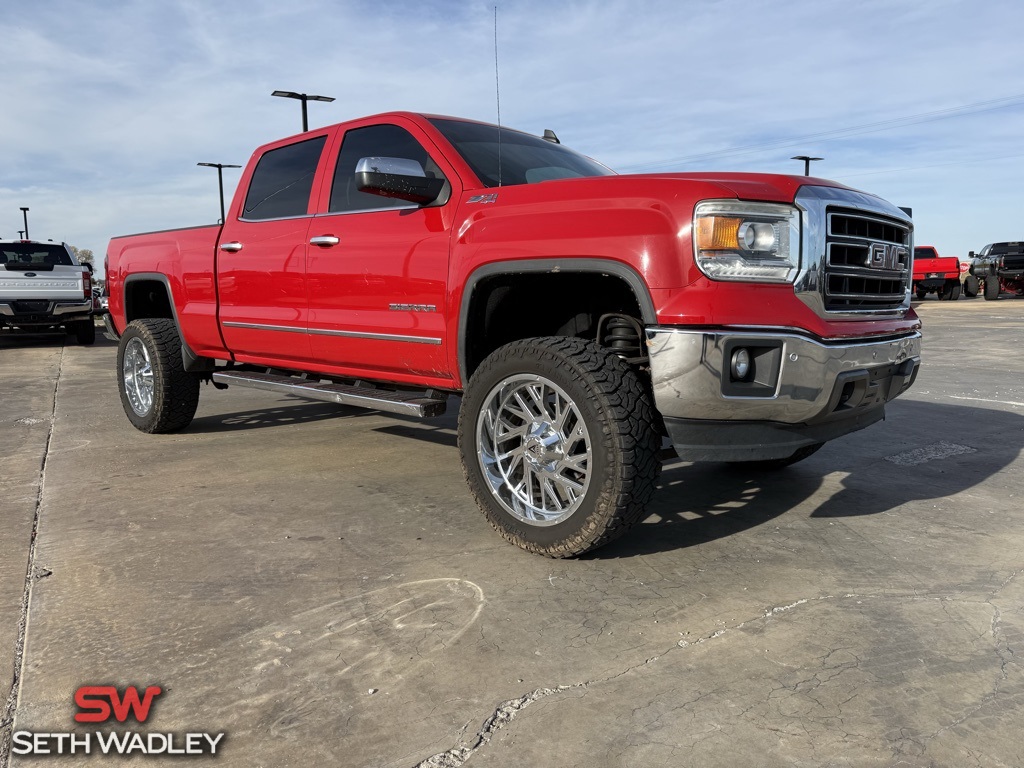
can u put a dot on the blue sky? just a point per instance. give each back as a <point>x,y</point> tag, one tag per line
<point>107,107</point>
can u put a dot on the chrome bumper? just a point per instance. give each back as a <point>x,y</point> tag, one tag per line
<point>799,391</point>
<point>54,308</point>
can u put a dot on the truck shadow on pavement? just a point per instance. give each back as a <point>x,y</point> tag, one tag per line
<point>923,451</point>
<point>49,340</point>
<point>291,411</point>
<point>22,341</point>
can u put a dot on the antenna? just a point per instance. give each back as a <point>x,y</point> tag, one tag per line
<point>497,90</point>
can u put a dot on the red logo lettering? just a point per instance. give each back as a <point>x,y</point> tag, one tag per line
<point>96,703</point>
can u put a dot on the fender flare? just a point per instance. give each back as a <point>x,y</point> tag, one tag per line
<point>191,362</point>
<point>555,265</point>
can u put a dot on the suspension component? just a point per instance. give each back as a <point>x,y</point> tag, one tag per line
<point>623,335</point>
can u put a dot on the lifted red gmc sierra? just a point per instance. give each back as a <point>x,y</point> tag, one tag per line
<point>393,261</point>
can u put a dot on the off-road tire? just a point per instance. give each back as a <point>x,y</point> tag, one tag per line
<point>769,464</point>
<point>85,332</point>
<point>972,286</point>
<point>175,392</point>
<point>616,411</point>
<point>991,288</point>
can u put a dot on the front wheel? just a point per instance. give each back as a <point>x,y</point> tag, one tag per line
<point>558,444</point>
<point>157,394</point>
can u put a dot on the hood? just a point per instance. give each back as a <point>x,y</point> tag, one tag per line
<point>751,186</point>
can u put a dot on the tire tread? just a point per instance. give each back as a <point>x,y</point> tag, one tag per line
<point>175,391</point>
<point>629,435</point>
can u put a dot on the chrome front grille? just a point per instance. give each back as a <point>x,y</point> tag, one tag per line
<point>867,264</point>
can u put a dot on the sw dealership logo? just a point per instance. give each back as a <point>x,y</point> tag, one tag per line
<point>102,703</point>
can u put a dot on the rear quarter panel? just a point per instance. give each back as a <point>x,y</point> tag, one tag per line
<point>186,258</point>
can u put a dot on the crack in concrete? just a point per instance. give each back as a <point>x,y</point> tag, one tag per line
<point>507,711</point>
<point>32,574</point>
<point>502,716</point>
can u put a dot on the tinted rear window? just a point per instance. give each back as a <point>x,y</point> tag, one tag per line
<point>1000,249</point>
<point>283,180</point>
<point>35,254</point>
<point>925,253</point>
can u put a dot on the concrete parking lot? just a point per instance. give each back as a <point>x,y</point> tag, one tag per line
<point>316,583</point>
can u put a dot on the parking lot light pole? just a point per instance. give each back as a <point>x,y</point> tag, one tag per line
<point>220,181</point>
<point>303,97</point>
<point>807,162</point>
<point>24,212</point>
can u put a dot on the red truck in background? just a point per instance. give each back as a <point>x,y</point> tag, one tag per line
<point>936,274</point>
<point>393,261</point>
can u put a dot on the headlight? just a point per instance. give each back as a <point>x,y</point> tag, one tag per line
<point>757,242</point>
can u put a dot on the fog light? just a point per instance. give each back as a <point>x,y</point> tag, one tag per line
<point>740,364</point>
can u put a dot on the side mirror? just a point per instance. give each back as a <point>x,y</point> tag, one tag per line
<point>397,177</point>
<point>970,254</point>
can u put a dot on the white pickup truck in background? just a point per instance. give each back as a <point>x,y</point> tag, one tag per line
<point>43,288</point>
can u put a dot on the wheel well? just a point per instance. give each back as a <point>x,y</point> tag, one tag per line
<point>505,308</point>
<point>147,298</point>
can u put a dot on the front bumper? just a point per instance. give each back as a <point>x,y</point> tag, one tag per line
<point>799,391</point>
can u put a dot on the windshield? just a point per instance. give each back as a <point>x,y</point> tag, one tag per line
<point>525,159</point>
<point>34,255</point>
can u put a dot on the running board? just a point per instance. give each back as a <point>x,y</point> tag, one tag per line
<point>421,404</point>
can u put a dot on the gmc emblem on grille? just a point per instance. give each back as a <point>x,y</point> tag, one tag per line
<point>886,256</point>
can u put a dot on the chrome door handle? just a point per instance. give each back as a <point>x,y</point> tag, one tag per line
<point>324,241</point>
<point>231,247</point>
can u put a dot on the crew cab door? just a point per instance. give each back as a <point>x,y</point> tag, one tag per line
<point>377,266</point>
<point>261,255</point>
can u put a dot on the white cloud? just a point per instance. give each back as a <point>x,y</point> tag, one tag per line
<point>108,108</point>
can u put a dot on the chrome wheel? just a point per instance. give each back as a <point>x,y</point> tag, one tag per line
<point>534,449</point>
<point>137,372</point>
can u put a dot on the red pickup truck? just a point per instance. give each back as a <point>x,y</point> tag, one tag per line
<point>394,261</point>
<point>936,274</point>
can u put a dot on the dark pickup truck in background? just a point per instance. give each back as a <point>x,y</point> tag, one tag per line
<point>1000,267</point>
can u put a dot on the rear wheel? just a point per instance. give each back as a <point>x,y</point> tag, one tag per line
<point>558,444</point>
<point>157,394</point>
<point>953,290</point>
<point>921,294</point>
<point>991,288</point>
<point>972,286</point>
